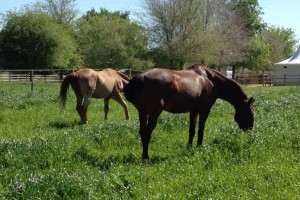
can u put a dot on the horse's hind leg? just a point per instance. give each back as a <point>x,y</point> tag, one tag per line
<point>118,97</point>
<point>82,104</point>
<point>86,102</point>
<point>79,106</point>
<point>146,132</point>
<point>106,107</point>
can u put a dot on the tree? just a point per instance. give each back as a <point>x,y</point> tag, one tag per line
<point>249,12</point>
<point>63,11</point>
<point>272,45</point>
<point>282,40</point>
<point>232,33</point>
<point>174,29</point>
<point>31,39</point>
<point>211,31</point>
<point>260,53</point>
<point>111,40</point>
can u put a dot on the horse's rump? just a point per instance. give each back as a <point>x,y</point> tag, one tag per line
<point>133,89</point>
<point>69,79</point>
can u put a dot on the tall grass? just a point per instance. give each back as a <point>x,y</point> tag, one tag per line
<point>46,154</point>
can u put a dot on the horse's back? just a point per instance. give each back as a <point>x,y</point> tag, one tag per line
<point>172,90</point>
<point>109,82</point>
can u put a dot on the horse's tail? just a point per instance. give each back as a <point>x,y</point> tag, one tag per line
<point>69,79</point>
<point>133,89</point>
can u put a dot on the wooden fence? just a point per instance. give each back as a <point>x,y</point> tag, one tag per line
<point>45,75</point>
<point>265,79</point>
<point>33,75</point>
<point>49,75</point>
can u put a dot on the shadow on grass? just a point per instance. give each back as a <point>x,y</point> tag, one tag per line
<point>104,163</point>
<point>63,125</point>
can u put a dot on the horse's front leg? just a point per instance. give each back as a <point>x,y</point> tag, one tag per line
<point>193,119</point>
<point>203,117</point>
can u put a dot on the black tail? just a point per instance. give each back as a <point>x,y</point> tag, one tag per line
<point>133,89</point>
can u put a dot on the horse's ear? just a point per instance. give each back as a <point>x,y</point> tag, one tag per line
<point>251,100</point>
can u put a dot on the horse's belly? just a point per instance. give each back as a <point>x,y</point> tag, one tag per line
<point>99,94</point>
<point>177,107</point>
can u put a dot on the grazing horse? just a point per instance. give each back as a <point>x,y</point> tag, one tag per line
<point>193,90</point>
<point>88,83</point>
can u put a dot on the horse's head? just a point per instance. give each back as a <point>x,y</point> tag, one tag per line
<point>244,115</point>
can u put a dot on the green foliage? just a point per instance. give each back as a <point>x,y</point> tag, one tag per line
<point>250,15</point>
<point>260,55</point>
<point>283,39</point>
<point>271,46</point>
<point>33,40</point>
<point>62,11</point>
<point>172,33</point>
<point>47,154</point>
<point>111,40</point>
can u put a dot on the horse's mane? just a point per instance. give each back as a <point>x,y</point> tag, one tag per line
<point>124,76</point>
<point>217,77</point>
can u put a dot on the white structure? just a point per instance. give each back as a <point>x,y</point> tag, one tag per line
<point>287,72</point>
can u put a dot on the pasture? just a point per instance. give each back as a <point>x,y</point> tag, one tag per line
<point>47,154</point>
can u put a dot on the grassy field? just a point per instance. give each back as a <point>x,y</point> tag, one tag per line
<point>47,154</point>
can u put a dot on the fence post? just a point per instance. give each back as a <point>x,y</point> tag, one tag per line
<point>31,80</point>
<point>60,75</point>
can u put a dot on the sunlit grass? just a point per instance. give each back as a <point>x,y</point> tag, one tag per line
<point>48,154</point>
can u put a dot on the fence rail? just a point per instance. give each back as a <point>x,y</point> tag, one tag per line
<point>265,79</point>
<point>50,75</point>
<point>33,75</point>
<point>46,74</point>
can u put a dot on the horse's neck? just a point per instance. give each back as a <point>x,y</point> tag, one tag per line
<point>230,91</point>
<point>226,89</point>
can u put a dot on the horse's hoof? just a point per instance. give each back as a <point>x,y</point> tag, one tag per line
<point>145,161</point>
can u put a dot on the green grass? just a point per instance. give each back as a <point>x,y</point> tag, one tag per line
<point>47,154</point>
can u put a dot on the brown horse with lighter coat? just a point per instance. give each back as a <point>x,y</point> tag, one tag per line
<point>88,83</point>
<point>193,90</point>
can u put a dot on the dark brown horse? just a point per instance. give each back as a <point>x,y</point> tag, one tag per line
<point>88,83</point>
<point>193,90</point>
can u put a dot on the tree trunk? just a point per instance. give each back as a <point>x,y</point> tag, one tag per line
<point>233,72</point>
